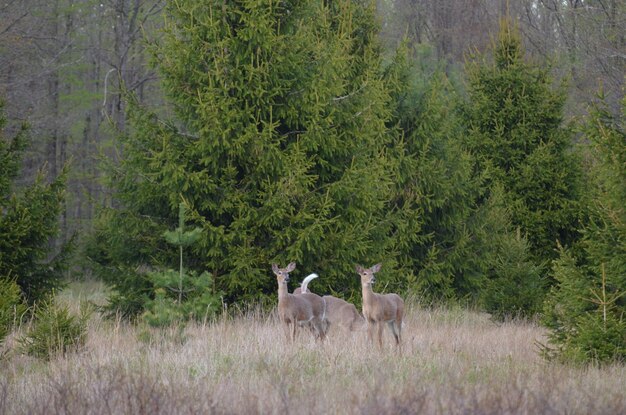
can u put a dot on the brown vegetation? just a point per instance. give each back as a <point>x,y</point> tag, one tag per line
<point>452,361</point>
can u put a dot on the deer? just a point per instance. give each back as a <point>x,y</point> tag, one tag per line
<point>343,314</point>
<point>339,312</point>
<point>380,308</point>
<point>306,309</point>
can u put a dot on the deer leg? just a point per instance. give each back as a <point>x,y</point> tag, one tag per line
<point>287,330</point>
<point>380,334</point>
<point>325,326</point>
<point>393,326</point>
<point>399,327</point>
<point>321,329</point>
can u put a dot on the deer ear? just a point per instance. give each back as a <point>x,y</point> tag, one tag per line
<point>274,268</point>
<point>359,269</point>
<point>376,268</point>
<point>291,266</point>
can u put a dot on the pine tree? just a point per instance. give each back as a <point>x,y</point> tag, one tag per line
<point>450,244</point>
<point>181,295</point>
<point>278,145</point>
<point>515,127</point>
<point>29,217</point>
<point>586,310</point>
<point>433,199</point>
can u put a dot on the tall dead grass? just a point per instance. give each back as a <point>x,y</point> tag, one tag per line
<point>452,362</point>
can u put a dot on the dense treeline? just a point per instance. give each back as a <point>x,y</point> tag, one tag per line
<point>307,131</point>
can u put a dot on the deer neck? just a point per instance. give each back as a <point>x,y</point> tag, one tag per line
<point>368,294</point>
<point>282,291</point>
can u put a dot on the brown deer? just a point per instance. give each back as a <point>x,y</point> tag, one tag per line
<point>380,308</point>
<point>339,312</point>
<point>306,309</point>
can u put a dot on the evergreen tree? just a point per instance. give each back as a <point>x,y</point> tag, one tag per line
<point>278,145</point>
<point>515,128</point>
<point>181,295</point>
<point>28,219</point>
<point>586,310</point>
<point>433,201</point>
<point>449,243</point>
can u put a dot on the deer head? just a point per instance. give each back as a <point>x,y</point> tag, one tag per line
<point>282,274</point>
<point>367,274</point>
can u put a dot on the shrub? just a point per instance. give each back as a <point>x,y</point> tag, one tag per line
<point>12,306</point>
<point>54,331</point>
<point>180,295</point>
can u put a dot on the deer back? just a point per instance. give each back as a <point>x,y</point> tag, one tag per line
<point>301,307</point>
<point>383,307</point>
<point>341,312</point>
<point>333,304</point>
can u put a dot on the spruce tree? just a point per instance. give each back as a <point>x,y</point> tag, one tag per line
<point>450,243</point>
<point>586,310</point>
<point>181,295</point>
<point>278,146</point>
<point>29,218</point>
<point>433,200</point>
<point>515,124</point>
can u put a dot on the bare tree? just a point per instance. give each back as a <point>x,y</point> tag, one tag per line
<point>58,54</point>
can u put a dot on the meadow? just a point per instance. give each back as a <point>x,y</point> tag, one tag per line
<point>453,361</point>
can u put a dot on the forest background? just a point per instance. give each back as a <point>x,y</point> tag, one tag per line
<point>481,159</point>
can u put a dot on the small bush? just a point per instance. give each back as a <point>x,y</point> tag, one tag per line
<point>585,317</point>
<point>197,303</point>
<point>597,340</point>
<point>180,295</point>
<point>54,331</point>
<point>12,306</point>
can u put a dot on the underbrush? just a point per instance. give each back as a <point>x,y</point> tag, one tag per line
<point>452,361</point>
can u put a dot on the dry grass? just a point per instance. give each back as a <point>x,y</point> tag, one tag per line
<point>452,362</point>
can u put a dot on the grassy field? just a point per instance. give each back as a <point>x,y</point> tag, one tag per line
<point>452,362</point>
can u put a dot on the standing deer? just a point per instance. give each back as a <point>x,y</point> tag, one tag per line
<point>380,308</point>
<point>299,310</point>
<point>339,312</point>
<point>342,313</point>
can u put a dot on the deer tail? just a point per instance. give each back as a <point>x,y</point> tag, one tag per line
<point>306,282</point>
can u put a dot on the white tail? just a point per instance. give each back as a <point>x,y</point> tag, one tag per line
<point>339,313</point>
<point>306,309</point>
<point>380,308</point>
<point>303,288</point>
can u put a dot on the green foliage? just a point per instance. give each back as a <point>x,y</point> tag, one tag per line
<point>514,286</point>
<point>198,300</point>
<point>451,244</point>
<point>597,340</point>
<point>12,307</point>
<point>179,295</point>
<point>54,331</point>
<point>586,318</point>
<point>278,147</point>
<point>27,222</point>
<point>515,128</point>
<point>433,206</point>
<point>117,251</point>
<point>586,310</point>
